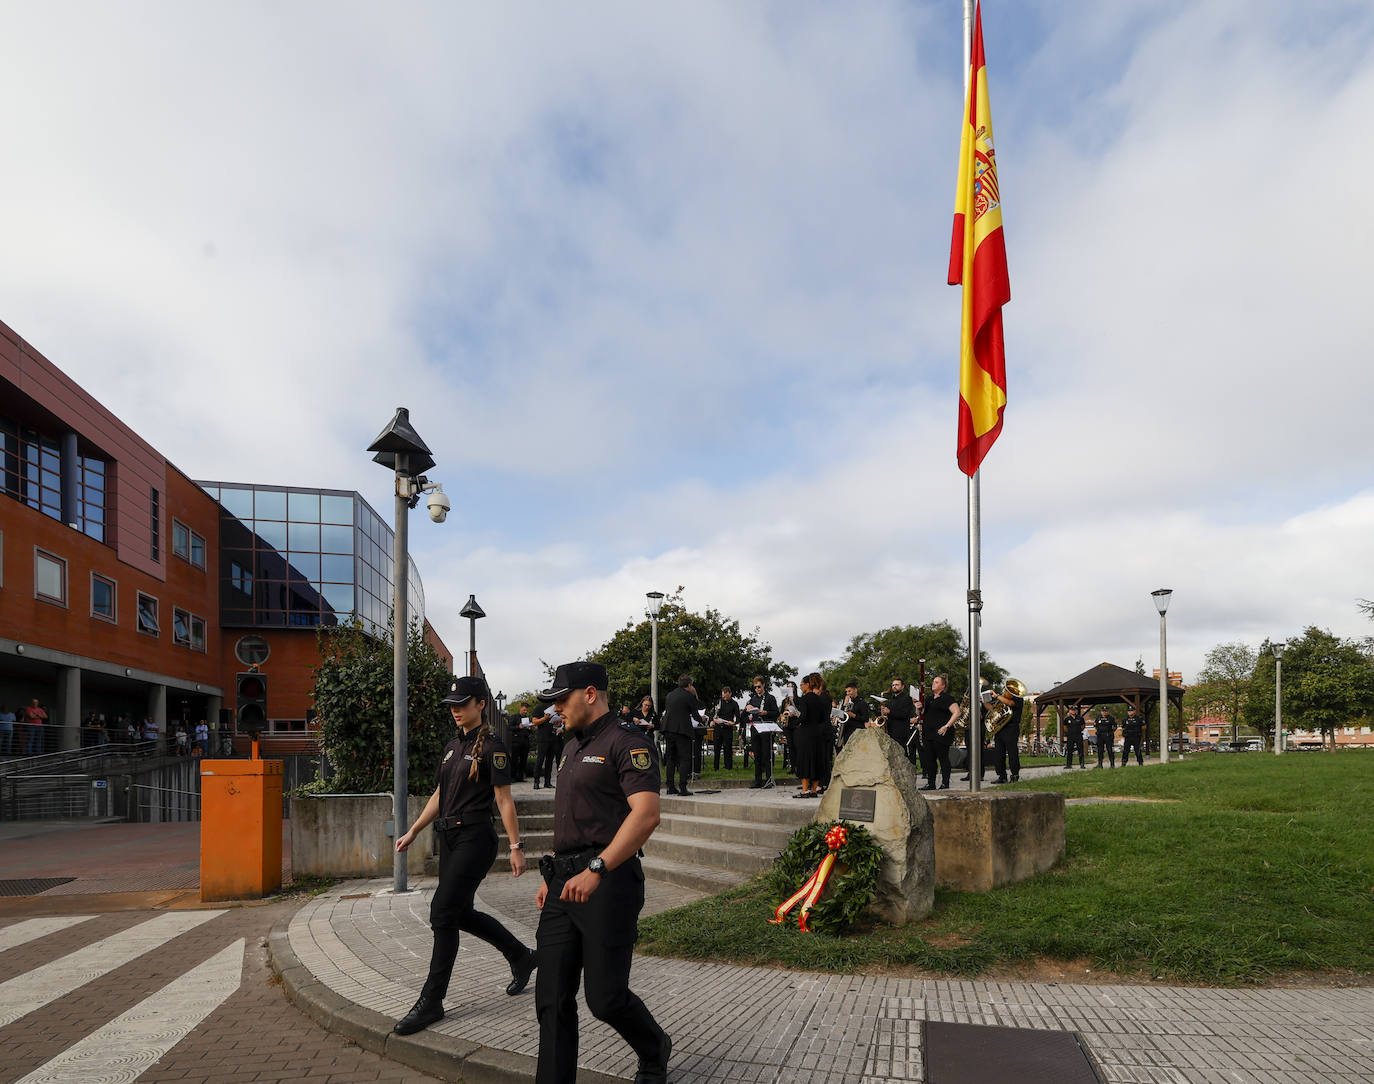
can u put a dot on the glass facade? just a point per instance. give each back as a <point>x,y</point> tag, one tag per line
<point>305,558</point>
<point>31,472</point>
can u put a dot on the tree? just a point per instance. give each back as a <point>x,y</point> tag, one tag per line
<point>709,646</point>
<point>873,659</point>
<point>1258,710</point>
<point>1227,671</point>
<point>1328,682</point>
<point>354,698</point>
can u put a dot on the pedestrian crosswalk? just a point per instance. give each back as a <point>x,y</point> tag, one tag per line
<point>23,994</point>
<point>124,1048</point>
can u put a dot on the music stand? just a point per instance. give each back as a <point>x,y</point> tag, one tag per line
<point>770,729</point>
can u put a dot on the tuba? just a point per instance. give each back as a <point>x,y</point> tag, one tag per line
<point>999,715</point>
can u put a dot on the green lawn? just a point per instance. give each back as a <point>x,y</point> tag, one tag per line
<point>1251,866</point>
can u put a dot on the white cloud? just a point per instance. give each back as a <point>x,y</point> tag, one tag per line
<point>663,289</point>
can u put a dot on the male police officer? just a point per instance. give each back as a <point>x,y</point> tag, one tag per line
<point>1106,737</point>
<point>1073,736</point>
<point>605,808</point>
<point>1132,730</point>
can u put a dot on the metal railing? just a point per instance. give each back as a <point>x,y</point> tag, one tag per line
<point>55,797</point>
<point>153,804</point>
<point>67,761</point>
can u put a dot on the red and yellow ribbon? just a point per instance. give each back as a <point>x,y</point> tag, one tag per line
<point>810,892</point>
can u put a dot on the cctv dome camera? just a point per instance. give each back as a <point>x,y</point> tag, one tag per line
<point>439,505</point>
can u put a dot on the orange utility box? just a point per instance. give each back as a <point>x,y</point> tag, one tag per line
<point>240,829</point>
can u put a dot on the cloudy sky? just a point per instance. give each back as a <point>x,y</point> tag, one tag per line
<point>663,288</point>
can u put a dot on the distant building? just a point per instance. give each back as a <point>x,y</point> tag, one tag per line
<point>128,590</point>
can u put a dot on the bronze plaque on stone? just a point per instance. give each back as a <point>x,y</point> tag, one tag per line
<point>858,805</point>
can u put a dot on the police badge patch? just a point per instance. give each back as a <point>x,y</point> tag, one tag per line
<point>640,759</point>
<point>499,759</point>
<point>447,755</point>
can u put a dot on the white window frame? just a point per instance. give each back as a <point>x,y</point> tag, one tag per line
<point>203,646</point>
<point>61,562</point>
<point>156,630</point>
<point>185,618</point>
<point>179,529</point>
<point>197,537</point>
<point>113,616</point>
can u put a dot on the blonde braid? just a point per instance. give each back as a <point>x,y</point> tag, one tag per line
<point>482,731</point>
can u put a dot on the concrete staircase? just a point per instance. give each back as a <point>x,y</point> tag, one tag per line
<point>708,843</point>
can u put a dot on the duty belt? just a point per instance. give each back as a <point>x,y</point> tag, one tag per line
<point>445,823</point>
<point>569,864</point>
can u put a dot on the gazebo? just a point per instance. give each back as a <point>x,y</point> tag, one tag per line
<point>1107,683</point>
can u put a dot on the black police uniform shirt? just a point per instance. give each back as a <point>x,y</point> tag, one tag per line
<point>936,716</point>
<point>470,800</point>
<point>602,765</point>
<point>1132,726</point>
<point>1074,725</point>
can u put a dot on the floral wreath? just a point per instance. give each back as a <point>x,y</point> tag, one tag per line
<point>809,859</point>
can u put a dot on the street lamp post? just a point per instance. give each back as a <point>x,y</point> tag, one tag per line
<point>472,611</point>
<point>400,449</point>
<point>655,605</point>
<point>1277,649</point>
<point>1161,598</point>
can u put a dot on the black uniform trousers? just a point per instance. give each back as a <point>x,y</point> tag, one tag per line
<point>594,942</point>
<point>545,760</point>
<point>1072,742</point>
<point>1127,742</point>
<point>724,743</point>
<point>1106,746</point>
<point>519,755</point>
<point>935,753</point>
<point>1007,746</point>
<point>466,853</point>
<point>698,748</point>
<point>678,759</point>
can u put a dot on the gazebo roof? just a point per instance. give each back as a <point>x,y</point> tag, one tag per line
<point>1107,683</point>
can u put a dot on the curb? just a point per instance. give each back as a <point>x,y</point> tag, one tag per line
<point>442,1056</point>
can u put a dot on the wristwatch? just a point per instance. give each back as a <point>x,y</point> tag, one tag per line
<point>597,865</point>
<point>517,846</point>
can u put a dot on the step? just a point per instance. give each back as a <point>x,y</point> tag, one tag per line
<point>720,830</point>
<point>742,858</point>
<point>700,878</point>
<point>761,812</point>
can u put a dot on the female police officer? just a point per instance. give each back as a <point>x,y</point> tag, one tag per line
<point>474,772</point>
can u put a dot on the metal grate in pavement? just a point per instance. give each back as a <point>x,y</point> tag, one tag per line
<point>31,886</point>
<point>975,1054</point>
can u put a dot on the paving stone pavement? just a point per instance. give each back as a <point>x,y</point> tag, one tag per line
<point>360,945</point>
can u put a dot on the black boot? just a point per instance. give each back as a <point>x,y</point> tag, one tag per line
<point>426,1011</point>
<point>520,973</point>
<point>655,1071</point>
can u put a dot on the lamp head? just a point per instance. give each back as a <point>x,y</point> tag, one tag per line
<point>655,602</point>
<point>1161,598</point>
<point>1278,649</point>
<point>471,609</point>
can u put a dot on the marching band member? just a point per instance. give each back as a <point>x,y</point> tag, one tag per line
<point>762,708</point>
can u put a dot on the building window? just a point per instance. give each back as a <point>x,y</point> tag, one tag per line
<point>181,627</point>
<point>197,633</point>
<point>181,540</point>
<point>31,473</point>
<point>197,550</point>
<point>102,597</point>
<point>154,525</point>
<point>49,577</point>
<point>147,614</point>
<point>241,578</point>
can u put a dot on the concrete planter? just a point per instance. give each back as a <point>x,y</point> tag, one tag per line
<point>345,835</point>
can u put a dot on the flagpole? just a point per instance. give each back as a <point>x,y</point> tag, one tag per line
<point>975,570</point>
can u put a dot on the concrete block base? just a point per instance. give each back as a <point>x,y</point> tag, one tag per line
<point>995,837</point>
<point>344,835</point>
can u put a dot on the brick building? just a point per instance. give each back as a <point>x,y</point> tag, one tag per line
<point>128,590</point>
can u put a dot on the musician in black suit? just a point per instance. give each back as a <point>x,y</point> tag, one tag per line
<point>681,715</point>
<point>855,711</point>
<point>761,708</point>
<point>723,728</point>
<point>1007,740</point>
<point>899,709</point>
<point>937,731</point>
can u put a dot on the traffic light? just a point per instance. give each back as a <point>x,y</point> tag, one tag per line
<point>250,714</point>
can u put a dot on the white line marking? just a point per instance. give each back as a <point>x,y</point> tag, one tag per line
<point>126,1047</point>
<point>33,928</point>
<point>43,985</point>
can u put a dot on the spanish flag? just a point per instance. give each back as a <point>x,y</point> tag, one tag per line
<point>978,261</point>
